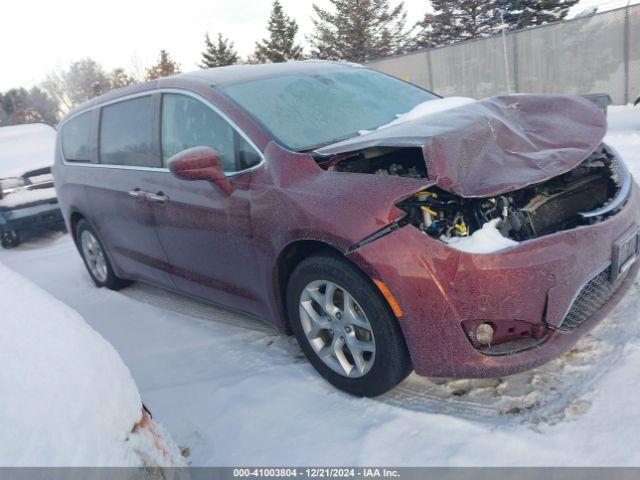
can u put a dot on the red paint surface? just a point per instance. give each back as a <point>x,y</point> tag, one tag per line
<point>225,246</point>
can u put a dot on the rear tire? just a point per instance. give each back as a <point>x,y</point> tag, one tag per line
<point>10,239</point>
<point>345,327</point>
<point>96,259</point>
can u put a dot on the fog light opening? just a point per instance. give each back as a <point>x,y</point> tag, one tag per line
<point>484,334</point>
<point>502,337</point>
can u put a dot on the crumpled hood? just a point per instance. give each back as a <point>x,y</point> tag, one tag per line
<point>495,145</point>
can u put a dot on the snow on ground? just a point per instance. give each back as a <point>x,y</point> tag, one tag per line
<point>67,397</point>
<point>234,392</point>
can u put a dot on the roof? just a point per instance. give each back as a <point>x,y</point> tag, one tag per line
<point>218,76</point>
<point>242,73</point>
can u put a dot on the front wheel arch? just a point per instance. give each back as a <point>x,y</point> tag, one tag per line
<point>292,255</point>
<point>288,259</point>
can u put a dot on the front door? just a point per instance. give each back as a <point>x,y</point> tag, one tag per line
<point>206,233</point>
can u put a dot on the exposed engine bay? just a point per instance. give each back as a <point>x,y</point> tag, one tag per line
<point>564,202</point>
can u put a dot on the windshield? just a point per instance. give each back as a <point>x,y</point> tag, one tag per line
<point>307,111</point>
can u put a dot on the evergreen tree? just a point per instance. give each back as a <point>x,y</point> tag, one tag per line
<point>527,13</point>
<point>359,30</point>
<point>218,54</point>
<point>46,107</point>
<point>19,105</point>
<point>15,106</point>
<point>281,44</point>
<point>118,78</point>
<point>457,20</point>
<point>164,68</point>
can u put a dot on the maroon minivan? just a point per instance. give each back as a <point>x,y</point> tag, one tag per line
<point>389,229</point>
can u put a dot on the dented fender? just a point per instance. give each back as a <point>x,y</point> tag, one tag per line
<point>438,288</point>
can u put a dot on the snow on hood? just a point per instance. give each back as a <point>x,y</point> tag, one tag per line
<point>24,148</point>
<point>495,145</point>
<point>426,108</point>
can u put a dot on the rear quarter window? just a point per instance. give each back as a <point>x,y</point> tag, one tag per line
<point>126,133</point>
<point>77,136</point>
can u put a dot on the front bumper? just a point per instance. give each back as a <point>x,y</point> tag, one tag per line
<point>538,281</point>
<point>44,215</point>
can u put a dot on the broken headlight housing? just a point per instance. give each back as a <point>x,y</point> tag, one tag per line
<point>593,190</point>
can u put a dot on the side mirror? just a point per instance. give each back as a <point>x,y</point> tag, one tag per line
<point>200,163</point>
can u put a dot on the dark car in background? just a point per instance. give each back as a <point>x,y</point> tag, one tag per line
<point>28,202</point>
<point>387,228</point>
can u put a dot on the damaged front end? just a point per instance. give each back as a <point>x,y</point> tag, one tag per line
<point>595,189</point>
<point>488,176</point>
<point>501,170</point>
<point>586,194</point>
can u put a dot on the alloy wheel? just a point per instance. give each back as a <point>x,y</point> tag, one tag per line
<point>94,255</point>
<point>337,328</point>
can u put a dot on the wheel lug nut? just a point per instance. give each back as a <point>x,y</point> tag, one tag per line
<point>347,329</point>
<point>338,315</point>
<point>341,338</point>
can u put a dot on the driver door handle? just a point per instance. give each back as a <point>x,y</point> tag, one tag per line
<point>137,193</point>
<point>157,197</point>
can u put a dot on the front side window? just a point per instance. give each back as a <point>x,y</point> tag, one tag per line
<point>307,111</point>
<point>188,122</point>
<point>77,138</point>
<point>126,133</point>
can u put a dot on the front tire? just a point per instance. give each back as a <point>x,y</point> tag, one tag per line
<point>345,327</point>
<point>95,258</point>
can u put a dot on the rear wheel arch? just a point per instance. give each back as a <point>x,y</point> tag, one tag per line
<point>74,218</point>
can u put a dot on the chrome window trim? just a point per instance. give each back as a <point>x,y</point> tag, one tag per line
<point>177,91</point>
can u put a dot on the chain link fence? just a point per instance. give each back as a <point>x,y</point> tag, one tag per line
<point>595,54</point>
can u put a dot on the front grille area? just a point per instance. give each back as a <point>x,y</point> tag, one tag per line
<point>591,298</point>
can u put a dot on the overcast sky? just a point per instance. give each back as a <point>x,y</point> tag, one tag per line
<point>37,36</point>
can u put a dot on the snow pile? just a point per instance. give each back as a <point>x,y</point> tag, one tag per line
<point>26,147</point>
<point>624,135</point>
<point>67,398</point>
<point>426,108</point>
<point>486,240</point>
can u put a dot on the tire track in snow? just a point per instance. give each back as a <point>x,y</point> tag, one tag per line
<point>547,394</point>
